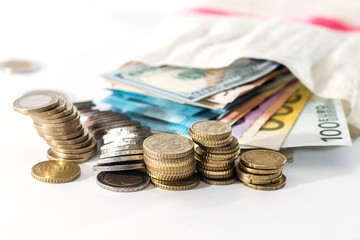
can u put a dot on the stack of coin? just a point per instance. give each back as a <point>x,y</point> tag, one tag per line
<point>122,151</point>
<point>58,122</point>
<point>216,152</point>
<point>262,169</point>
<point>170,161</point>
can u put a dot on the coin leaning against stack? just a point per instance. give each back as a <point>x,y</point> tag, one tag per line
<point>262,169</point>
<point>170,161</point>
<point>216,152</point>
<point>57,121</point>
<point>122,159</point>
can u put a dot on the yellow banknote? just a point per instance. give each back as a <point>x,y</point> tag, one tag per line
<point>275,130</point>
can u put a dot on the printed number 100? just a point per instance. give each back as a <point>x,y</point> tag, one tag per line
<point>329,131</point>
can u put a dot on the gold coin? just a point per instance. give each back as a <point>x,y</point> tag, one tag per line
<point>84,134</point>
<point>68,136</point>
<point>82,144</point>
<point>212,156</point>
<point>172,171</point>
<point>55,171</point>
<point>260,171</point>
<point>165,177</point>
<point>170,162</point>
<point>86,149</point>
<point>211,161</point>
<point>71,122</point>
<point>260,182</point>
<point>211,176</point>
<point>244,175</point>
<point>167,145</point>
<point>211,129</point>
<point>215,173</point>
<point>61,116</point>
<point>222,143</point>
<point>263,159</point>
<point>36,102</point>
<point>214,167</point>
<point>226,181</point>
<point>232,147</point>
<point>51,156</point>
<point>59,108</point>
<point>268,187</point>
<point>179,185</point>
<point>90,153</point>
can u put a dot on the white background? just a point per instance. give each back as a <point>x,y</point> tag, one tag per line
<point>74,42</point>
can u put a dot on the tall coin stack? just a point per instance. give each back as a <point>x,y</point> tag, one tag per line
<point>262,169</point>
<point>170,161</point>
<point>122,158</point>
<point>58,122</point>
<point>216,152</point>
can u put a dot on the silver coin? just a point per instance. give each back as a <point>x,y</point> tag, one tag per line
<point>127,128</point>
<point>127,132</point>
<point>121,153</point>
<point>118,167</point>
<point>125,181</point>
<point>126,141</point>
<point>100,131</point>
<point>114,147</point>
<point>19,66</point>
<point>121,159</point>
<point>110,139</point>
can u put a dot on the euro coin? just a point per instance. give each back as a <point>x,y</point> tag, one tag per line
<point>263,159</point>
<point>120,159</point>
<point>19,67</point>
<point>125,181</point>
<point>55,171</point>
<point>121,153</point>
<point>268,187</point>
<point>179,185</point>
<point>35,103</point>
<point>118,167</point>
<point>244,175</point>
<point>226,181</point>
<point>167,177</point>
<point>260,171</point>
<point>210,129</point>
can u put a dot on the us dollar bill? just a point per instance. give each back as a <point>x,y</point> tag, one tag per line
<point>188,85</point>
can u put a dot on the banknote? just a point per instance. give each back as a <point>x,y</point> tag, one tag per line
<point>244,123</point>
<point>322,122</point>
<point>272,109</point>
<point>275,130</point>
<point>189,85</point>
<point>240,111</point>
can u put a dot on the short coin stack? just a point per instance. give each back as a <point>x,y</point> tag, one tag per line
<point>216,153</point>
<point>58,122</point>
<point>262,169</point>
<point>170,161</point>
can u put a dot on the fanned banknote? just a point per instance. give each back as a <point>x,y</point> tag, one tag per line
<point>189,85</point>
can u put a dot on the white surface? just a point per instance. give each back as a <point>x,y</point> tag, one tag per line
<point>75,42</point>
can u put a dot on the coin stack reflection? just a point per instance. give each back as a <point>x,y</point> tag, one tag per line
<point>57,121</point>
<point>216,152</point>
<point>262,169</point>
<point>170,161</point>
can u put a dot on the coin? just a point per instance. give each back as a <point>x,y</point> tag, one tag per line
<point>172,170</point>
<point>55,171</point>
<point>121,153</point>
<point>51,156</point>
<point>118,167</point>
<point>179,185</point>
<point>59,108</point>
<point>263,159</point>
<point>119,138</point>
<point>120,159</point>
<point>127,141</point>
<point>213,161</point>
<point>69,136</point>
<point>84,135</point>
<point>127,128</point>
<point>210,129</point>
<point>166,177</point>
<point>125,181</point>
<point>36,102</point>
<point>260,182</point>
<point>213,156</point>
<point>232,147</point>
<point>216,174</point>
<point>260,171</point>
<point>245,175</point>
<point>82,144</point>
<point>114,147</point>
<point>214,167</point>
<point>167,145</point>
<point>19,66</point>
<point>70,112</point>
<point>170,162</point>
<point>268,187</point>
<point>226,181</point>
<point>85,149</point>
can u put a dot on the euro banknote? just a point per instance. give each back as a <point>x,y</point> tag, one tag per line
<point>275,130</point>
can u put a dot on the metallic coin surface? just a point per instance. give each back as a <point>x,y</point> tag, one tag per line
<point>113,148</point>
<point>125,181</point>
<point>226,181</point>
<point>55,171</point>
<point>19,66</point>
<point>260,171</point>
<point>268,187</point>
<point>179,185</point>
<point>211,129</point>
<point>118,167</point>
<point>261,182</point>
<point>263,159</point>
<point>210,167</point>
<point>244,175</point>
<point>166,177</point>
<point>167,145</point>
<point>51,156</point>
<point>122,153</point>
<point>59,108</point>
<point>36,102</point>
<point>232,147</point>
<point>120,159</point>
